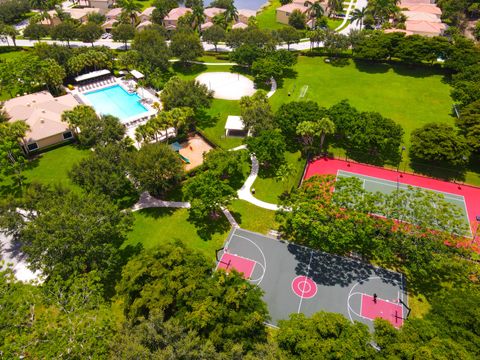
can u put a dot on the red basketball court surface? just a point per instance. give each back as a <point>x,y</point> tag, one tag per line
<point>240,264</point>
<point>387,310</point>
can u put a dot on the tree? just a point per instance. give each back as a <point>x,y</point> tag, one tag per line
<point>289,35</point>
<point>268,147</point>
<point>155,168</point>
<point>198,17</point>
<point>104,172</point>
<point>310,130</point>
<point>130,9</point>
<point>35,31</point>
<point>153,49</point>
<point>13,11</point>
<point>358,15</point>
<point>66,233</point>
<point>335,43</point>
<point>265,69</point>
<point>289,115</point>
<point>162,8</point>
<point>65,31</point>
<point>439,143</point>
<point>71,314</point>
<point>11,31</point>
<point>298,20</point>
<point>213,35</point>
<point>246,54</point>
<point>208,194</point>
<point>12,158</point>
<point>322,335</point>
<point>185,93</point>
<point>90,32</point>
<point>152,296</point>
<point>94,131</point>
<point>53,75</point>
<point>469,123</point>
<point>186,46</point>
<point>256,112</point>
<point>315,11</point>
<point>123,32</point>
<point>226,165</point>
<point>231,12</point>
<point>96,18</point>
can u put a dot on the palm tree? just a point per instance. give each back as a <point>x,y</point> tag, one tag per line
<point>334,6</point>
<point>326,127</point>
<point>382,10</point>
<point>231,13</point>
<point>358,15</point>
<point>315,11</point>
<point>130,8</point>
<point>198,17</point>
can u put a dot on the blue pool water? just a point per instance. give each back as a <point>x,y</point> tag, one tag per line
<point>116,101</point>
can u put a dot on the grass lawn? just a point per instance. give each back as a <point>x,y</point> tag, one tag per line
<point>213,123</point>
<point>253,218</point>
<point>52,167</point>
<point>269,189</point>
<point>410,95</point>
<point>156,227</point>
<point>193,70</point>
<point>267,17</point>
<point>334,23</point>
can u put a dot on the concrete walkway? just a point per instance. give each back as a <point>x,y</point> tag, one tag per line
<point>245,193</point>
<point>148,201</point>
<point>230,218</point>
<point>360,4</point>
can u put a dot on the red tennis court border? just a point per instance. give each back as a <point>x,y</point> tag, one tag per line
<point>331,166</point>
<point>386,310</point>
<point>242,265</point>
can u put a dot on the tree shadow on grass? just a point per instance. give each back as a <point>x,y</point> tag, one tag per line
<point>204,120</point>
<point>371,67</point>
<point>157,213</point>
<point>207,227</point>
<point>188,68</point>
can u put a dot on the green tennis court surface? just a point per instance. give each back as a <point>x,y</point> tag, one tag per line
<point>374,184</point>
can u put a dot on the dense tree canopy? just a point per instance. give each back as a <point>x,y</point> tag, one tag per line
<point>439,143</point>
<point>185,93</point>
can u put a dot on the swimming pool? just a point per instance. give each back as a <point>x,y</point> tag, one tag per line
<point>116,101</point>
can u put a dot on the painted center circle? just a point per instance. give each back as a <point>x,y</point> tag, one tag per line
<point>304,287</point>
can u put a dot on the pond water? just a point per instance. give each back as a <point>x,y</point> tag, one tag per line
<point>244,4</point>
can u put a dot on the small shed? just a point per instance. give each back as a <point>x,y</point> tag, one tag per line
<point>235,126</point>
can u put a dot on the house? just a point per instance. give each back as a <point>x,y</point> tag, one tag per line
<point>170,21</point>
<point>210,13</point>
<point>113,14</point>
<point>146,14</point>
<point>239,25</point>
<point>43,113</point>
<point>143,25</point>
<point>81,15</point>
<point>283,12</point>
<point>102,4</point>
<point>424,8</point>
<point>409,2</point>
<point>421,16</point>
<point>425,28</point>
<point>108,25</point>
<point>245,14</point>
<point>206,25</point>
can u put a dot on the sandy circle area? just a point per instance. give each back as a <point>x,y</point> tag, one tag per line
<point>227,85</point>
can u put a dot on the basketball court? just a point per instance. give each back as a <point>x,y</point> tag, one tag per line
<point>297,279</point>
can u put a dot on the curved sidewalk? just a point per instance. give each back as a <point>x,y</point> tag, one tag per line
<point>148,201</point>
<point>246,194</point>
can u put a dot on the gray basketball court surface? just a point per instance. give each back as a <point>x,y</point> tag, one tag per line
<point>297,279</point>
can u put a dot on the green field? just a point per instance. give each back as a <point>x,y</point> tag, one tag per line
<point>269,189</point>
<point>253,218</point>
<point>267,18</point>
<point>52,167</point>
<point>156,227</point>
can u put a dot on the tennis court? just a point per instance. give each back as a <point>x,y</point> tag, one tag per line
<point>385,180</point>
<point>297,279</point>
<point>374,184</point>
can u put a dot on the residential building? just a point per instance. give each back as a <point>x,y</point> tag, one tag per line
<point>80,15</point>
<point>245,14</point>
<point>113,14</point>
<point>146,14</point>
<point>170,21</point>
<point>425,28</point>
<point>102,4</point>
<point>283,12</point>
<point>43,114</point>
<point>211,12</point>
<point>144,24</point>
